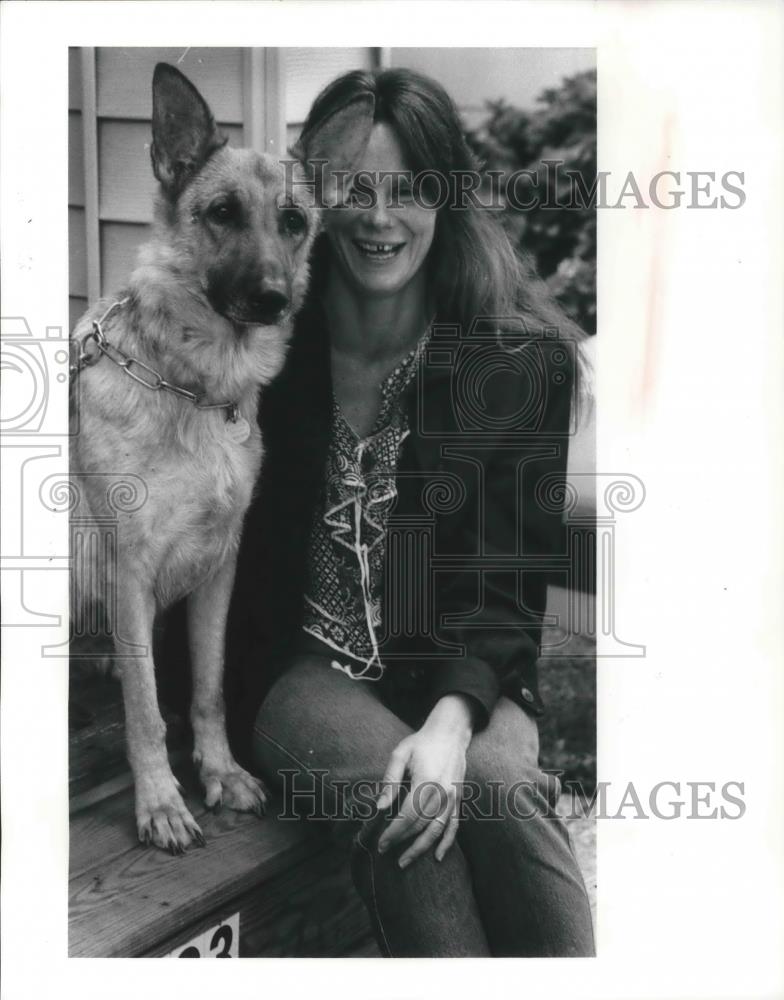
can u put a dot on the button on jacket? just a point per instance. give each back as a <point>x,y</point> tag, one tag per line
<point>472,537</point>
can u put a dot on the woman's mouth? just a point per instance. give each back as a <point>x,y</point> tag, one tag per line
<point>379,252</point>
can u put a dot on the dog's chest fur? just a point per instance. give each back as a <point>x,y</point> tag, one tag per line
<point>205,495</point>
<point>192,482</point>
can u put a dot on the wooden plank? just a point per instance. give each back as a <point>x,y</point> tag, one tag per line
<point>128,186</point>
<point>102,833</point>
<point>90,154</point>
<point>77,306</point>
<point>293,130</point>
<point>97,762</point>
<point>309,910</point>
<point>74,78</point>
<point>75,160</point>
<point>77,254</point>
<point>264,100</point>
<point>125,79</point>
<point>96,736</point>
<point>290,885</point>
<point>107,830</point>
<point>274,96</point>
<point>121,242</point>
<point>253,98</point>
<point>126,904</point>
<point>307,70</point>
<point>381,58</point>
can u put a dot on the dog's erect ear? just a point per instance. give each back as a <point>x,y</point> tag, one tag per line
<point>184,133</point>
<point>340,140</point>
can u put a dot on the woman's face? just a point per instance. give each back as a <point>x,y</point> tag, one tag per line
<point>380,249</point>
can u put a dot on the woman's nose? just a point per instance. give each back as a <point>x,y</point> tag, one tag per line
<point>379,214</point>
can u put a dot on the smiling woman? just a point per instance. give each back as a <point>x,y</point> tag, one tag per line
<point>390,590</point>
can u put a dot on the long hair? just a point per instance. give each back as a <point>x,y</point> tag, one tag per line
<point>475,272</point>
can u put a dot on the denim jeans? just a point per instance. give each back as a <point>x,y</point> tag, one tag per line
<point>510,884</point>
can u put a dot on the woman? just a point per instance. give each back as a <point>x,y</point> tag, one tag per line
<point>413,450</point>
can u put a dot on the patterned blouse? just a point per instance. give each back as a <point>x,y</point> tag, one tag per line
<point>348,537</point>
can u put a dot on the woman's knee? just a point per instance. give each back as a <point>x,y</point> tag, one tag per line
<point>523,792</point>
<point>503,776</point>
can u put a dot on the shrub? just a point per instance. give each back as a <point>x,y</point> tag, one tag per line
<point>562,241</point>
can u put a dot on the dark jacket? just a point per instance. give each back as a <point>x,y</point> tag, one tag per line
<point>471,537</point>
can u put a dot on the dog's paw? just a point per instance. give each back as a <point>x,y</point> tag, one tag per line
<point>233,787</point>
<point>163,819</point>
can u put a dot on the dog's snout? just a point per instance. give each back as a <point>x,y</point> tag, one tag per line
<point>269,304</point>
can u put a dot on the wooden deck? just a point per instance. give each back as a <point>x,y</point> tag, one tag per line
<point>266,888</point>
<point>288,885</point>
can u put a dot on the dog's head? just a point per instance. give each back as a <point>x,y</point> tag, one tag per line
<point>242,222</point>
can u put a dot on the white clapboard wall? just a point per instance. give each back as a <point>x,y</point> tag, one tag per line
<point>259,96</point>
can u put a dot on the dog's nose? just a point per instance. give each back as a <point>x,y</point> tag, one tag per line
<point>269,304</point>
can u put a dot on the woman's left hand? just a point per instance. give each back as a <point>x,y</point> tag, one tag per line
<point>435,759</point>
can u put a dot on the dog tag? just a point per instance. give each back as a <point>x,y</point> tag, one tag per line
<point>238,431</point>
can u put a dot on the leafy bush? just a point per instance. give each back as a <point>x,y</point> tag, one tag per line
<point>562,240</point>
<point>567,732</point>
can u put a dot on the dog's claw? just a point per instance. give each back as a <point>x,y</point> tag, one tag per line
<point>163,818</point>
<point>233,787</point>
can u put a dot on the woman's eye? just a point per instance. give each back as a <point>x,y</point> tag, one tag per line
<point>293,221</point>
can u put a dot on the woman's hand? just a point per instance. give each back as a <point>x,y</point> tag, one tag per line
<point>435,759</point>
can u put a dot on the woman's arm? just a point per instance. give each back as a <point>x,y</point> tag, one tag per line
<point>506,540</point>
<point>498,629</point>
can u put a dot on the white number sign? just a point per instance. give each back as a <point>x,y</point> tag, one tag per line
<point>221,941</point>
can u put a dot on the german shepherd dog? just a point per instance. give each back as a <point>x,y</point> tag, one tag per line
<point>167,377</point>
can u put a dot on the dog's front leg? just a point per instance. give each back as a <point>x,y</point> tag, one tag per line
<point>225,782</point>
<point>161,815</point>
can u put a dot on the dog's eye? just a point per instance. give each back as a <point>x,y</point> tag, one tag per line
<point>293,221</point>
<point>222,212</point>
